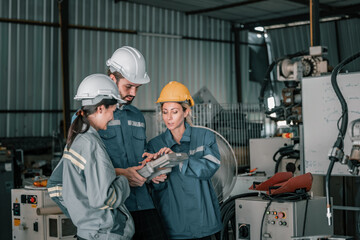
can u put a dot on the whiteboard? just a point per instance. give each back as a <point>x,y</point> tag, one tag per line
<point>321,111</point>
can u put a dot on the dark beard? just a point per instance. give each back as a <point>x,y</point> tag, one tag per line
<point>128,102</point>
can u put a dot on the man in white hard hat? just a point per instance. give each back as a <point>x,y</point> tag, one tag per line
<point>125,140</point>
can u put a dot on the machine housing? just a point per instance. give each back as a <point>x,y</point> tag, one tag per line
<point>282,221</point>
<point>28,225</point>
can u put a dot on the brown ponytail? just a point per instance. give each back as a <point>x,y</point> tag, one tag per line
<point>81,124</point>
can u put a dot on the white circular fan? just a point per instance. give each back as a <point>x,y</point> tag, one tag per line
<point>225,178</point>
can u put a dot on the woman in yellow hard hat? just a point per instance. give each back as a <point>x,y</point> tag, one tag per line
<point>186,200</point>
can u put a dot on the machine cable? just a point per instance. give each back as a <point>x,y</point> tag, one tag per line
<point>286,151</point>
<point>299,194</point>
<point>336,152</point>
<point>267,78</point>
<point>227,210</point>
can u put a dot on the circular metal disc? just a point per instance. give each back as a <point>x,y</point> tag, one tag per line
<point>225,178</point>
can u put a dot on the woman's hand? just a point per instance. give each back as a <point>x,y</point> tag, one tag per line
<point>134,178</point>
<point>164,150</point>
<point>150,156</point>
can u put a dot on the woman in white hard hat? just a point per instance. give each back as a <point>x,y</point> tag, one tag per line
<point>84,183</point>
<point>187,200</point>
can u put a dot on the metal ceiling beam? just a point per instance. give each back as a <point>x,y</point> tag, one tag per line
<point>351,10</point>
<point>222,7</point>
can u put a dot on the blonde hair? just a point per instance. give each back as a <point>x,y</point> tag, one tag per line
<point>188,119</point>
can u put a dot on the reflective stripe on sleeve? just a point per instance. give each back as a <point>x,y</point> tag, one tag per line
<point>212,159</point>
<point>112,199</point>
<point>74,161</point>
<point>81,158</point>
<point>198,149</point>
<point>56,194</point>
<point>55,191</point>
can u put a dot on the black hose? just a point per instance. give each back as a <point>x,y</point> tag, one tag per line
<point>327,190</point>
<point>305,216</point>
<point>266,81</point>
<point>227,210</point>
<point>335,72</point>
<point>339,143</point>
<point>277,164</point>
<point>270,68</point>
<point>263,218</point>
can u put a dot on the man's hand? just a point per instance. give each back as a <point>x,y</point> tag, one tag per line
<point>134,178</point>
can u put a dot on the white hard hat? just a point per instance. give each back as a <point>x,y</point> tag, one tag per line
<point>130,63</point>
<point>96,87</point>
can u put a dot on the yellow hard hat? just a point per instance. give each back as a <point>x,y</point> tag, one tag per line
<point>175,92</point>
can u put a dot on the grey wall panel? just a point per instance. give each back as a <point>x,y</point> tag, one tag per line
<point>31,56</point>
<point>349,41</point>
<point>289,40</point>
<point>195,63</point>
<point>29,69</point>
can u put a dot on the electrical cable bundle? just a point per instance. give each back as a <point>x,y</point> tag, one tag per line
<point>337,150</point>
<point>300,194</point>
<point>287,151</point>
<point>227,210</point>
<point>270,68</point>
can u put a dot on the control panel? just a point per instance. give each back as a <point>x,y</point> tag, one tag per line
<point>281,220</point>
<point>26,223</point>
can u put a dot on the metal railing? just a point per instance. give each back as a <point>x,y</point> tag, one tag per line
<point>237,123</point>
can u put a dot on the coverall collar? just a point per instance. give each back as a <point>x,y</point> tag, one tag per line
<point>125,107</point>
<point>170,142</point>
<point>94,132</point>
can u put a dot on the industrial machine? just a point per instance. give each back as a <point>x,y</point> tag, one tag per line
<point>294,69</point>
<point>58,226</point>
<point>6,184</point>
<point>291,69</point>
<point>257,220</point>
<point>262,151</point>
<point>9,178</point>
<point>36,217</point>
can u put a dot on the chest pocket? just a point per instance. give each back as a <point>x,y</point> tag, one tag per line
<point>107,134</point>
<point>139,140</point>
<point>110,140</point>
<point>139,133</point>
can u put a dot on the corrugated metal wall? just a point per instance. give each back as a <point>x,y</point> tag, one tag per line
<point>30,70</point>
<point>30,59</point>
